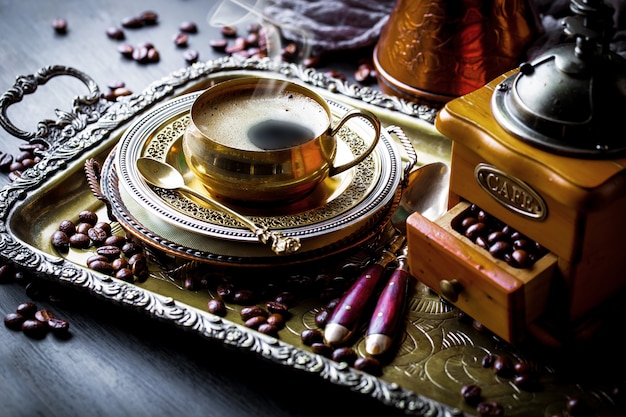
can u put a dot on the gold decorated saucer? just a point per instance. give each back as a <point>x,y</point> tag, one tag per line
<point>339,205</point>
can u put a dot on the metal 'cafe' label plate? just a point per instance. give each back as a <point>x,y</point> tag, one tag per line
<point>511,192</point>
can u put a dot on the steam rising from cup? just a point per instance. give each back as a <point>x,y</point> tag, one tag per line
<point>237,12</point>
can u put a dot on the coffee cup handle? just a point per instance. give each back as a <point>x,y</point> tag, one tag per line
<point>371,117</point>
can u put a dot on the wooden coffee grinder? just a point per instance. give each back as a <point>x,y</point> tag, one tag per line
<point>539,154</point>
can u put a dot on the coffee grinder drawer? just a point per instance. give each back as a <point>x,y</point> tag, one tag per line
<point>503,298</point>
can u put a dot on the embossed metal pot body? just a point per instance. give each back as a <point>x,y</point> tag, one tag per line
<point>436,50</point>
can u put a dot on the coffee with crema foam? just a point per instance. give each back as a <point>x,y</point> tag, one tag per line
<point>254,120</point>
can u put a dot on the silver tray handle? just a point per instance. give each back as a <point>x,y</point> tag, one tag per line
<point>85,108</point>
<point>408,148</point>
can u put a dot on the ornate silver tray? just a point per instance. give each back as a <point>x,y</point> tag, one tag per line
<point>437,353</point>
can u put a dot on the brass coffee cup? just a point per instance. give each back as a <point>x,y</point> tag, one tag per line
<point>265,140</point>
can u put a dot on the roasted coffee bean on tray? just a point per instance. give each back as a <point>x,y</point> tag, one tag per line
<point>113,255</point>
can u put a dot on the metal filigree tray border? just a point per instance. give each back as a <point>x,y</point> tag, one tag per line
<point>88,127</point>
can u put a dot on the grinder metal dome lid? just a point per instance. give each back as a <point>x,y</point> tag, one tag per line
<point>571,100</point>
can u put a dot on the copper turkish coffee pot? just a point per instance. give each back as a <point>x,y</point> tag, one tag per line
<point>433,51</point>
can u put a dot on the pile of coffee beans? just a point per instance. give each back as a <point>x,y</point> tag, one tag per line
<point>14,165</point>
<point>521,373</point>
<point>144,53</point>
<point>254,44</point>
<point>265,305</point>
<point>114,255</point>
<point>499,239</point>
<point>35,322</point>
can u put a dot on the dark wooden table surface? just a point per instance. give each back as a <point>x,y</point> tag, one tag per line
<point>116,362</point>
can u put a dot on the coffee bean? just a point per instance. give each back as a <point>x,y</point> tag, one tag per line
<point>285,297</point>
<point>132,22</point>
<point>109,251</point>
<point>218,45</point>
<point>255,322</point>
<point>225,291</point>
<point>475,230</point>
<point>5,162</point>
<point>79,241</point>
<point>332,304</point>
<point>97,236</point>
<point>60,25</point>
<point>310,336</point>
<point>68,227</point>
<point>497,236</point>
<point>521,258</point>
<point>472,394</point>
<point>481,242</point>
<point>311,62</point>
<point>229,31</point>
<point>181,40</point>
<point>131,248</point>
<point>277,320</point>
<point>58,327</point>
<point>526,382</point>
<point>369,365</point>
<point>14,175</point>
<point>140,54</point>
<point>126,50</point>
<point>267,328</point>
<point>216,306</point>
<point>14,321</point>
<point>188,27</point>
<point>577,407</point>
<point>115,33</point>
<point>93,258</point>
<point>121,92</point>
<point>248,312</point>
<point>488,360</point>
<point>60,240</point>
<point>34,328</point>
<point>6,273</point>
<point>101,266</point>
<point>499,249</point>
<point>322,349</point>
<point>153,55</point>
<point>43,315</point>
<point>125,274</point>
<point>276,307</point>
<point>344,354</point>
<point>149,18</point>
<point>115,240</point>
<point>244,297</point>
<point>490,409</point>
<point>88,216</point>
<point>503,366</point>
<point>119,263</point>
<point>36,290</point>
<point>139,266</point>
<point>191,56</point>
<point>252,40</point>
<point>523,368</point>
<point>83,227</point>
<point>16,166</point>
<point>321,317</point>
